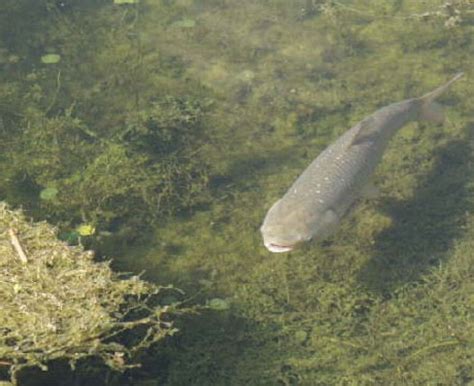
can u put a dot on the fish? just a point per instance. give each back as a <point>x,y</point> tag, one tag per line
<point>340,175</point>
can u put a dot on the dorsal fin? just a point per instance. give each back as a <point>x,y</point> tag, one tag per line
<point>366,132</point>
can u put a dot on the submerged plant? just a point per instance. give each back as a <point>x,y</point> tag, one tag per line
<point>149,168</point>
<point>58,304</point>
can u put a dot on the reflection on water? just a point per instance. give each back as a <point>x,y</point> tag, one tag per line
<point>171,126</point>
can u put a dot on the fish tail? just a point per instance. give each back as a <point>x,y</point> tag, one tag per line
<point>430,110</point>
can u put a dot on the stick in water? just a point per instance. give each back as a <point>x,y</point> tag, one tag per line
<point>17,246</point>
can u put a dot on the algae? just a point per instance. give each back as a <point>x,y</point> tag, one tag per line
<point>364,307</point>
<point>388,300</point>
<point>123,180</point>
<point>58,304</point>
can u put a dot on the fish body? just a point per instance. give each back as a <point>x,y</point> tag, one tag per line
<point>313,206</point>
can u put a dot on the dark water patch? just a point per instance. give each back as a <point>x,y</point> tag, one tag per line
<point>173,249</point>
<point>245,172</point>
<point>89,372</point>
<point>424,226</point>
<point>219,348</point>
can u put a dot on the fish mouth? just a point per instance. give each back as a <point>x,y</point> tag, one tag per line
<point>277,248</point>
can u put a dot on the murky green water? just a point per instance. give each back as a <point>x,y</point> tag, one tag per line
<point>388,300</point>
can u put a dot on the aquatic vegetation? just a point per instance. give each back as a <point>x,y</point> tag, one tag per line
<point>184,23</point>
<point>85,230</point>
<point>148,167</point>
<point>126,117</point>
<point>218,304</point>
<point>125,1</point>
<point>121,170</point>
<point>60,305</point>
<point>50,58</point>
<point>48,194</point>
<point>377,303</point>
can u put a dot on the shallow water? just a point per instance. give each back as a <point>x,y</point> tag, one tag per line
<point>389,299</point>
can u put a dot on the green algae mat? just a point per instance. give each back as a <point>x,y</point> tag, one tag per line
<point>58,304</point>
<point>168,128</point>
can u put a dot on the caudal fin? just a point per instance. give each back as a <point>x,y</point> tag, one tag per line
<point>432,111</point>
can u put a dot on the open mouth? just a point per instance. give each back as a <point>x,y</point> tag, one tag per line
<point>276,248</point>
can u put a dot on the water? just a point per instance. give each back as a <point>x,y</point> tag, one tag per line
<point>265,87</point>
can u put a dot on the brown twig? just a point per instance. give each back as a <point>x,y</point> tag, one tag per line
<point>17,246</point>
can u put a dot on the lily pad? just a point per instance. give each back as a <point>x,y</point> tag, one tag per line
<point>184,23</point>
<point>125,1</point>
<point>48,194</point>
<point>50,58</point>
<point>85,229</point>
<point>218,304</point>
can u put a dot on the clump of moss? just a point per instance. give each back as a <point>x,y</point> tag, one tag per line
<point>58,304</point>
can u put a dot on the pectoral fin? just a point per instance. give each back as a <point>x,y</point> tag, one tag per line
<point>367,131</point>
<point>330,221</point>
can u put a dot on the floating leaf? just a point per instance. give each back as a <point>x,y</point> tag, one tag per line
<point>125,1</point>
<point>50,58</point>
<point>218,304</point>
<point>184,23</point>
<point>85,230</point>
<point>48,194</point>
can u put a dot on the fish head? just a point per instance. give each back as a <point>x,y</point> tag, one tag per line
<point>286,226</point>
